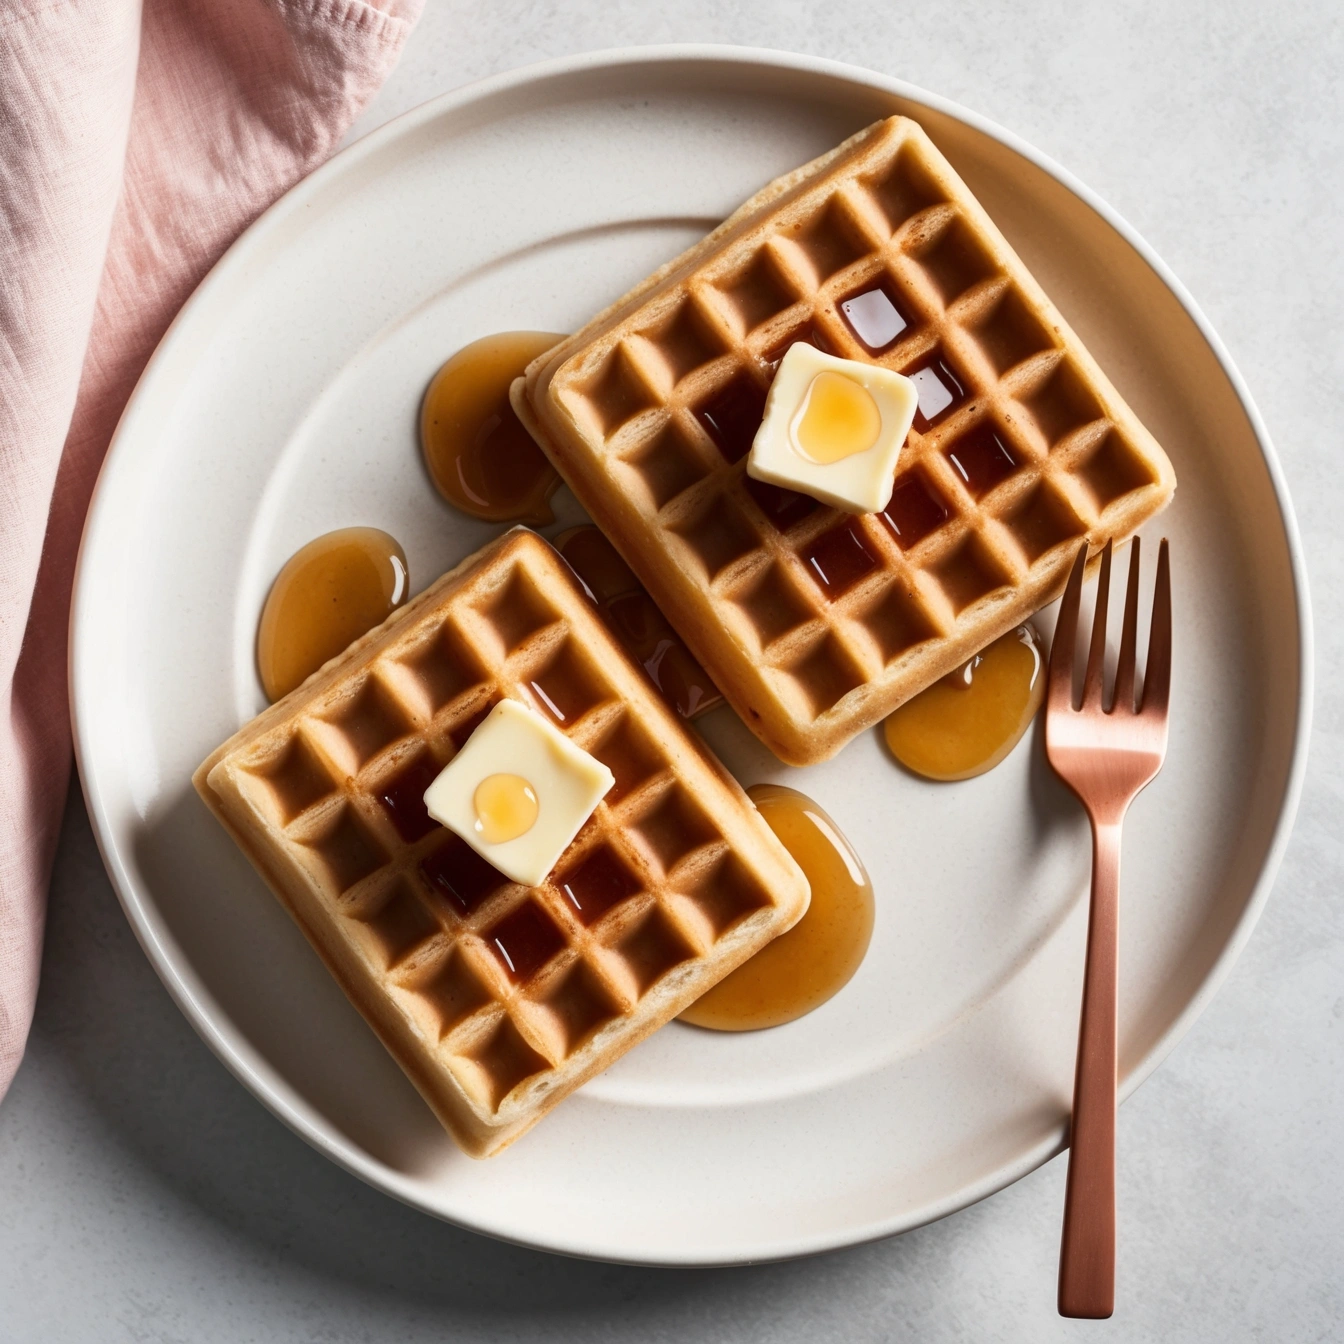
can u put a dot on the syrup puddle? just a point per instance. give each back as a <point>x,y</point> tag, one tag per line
<point>969,721</point>
<point>331,591</point>
<point>480,457</point>
<point>811,963</point>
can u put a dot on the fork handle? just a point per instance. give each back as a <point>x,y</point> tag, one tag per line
<point>1087,1256</point>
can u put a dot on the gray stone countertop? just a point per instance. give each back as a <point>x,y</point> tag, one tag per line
<point>144,1195</point>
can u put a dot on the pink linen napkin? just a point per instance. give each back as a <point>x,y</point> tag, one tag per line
<point>136,142</point>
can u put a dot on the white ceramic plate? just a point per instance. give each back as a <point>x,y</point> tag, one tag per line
<point>283,404</point>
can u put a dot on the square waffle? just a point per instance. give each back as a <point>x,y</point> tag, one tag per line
<point>817,624</point>
<point>497,999</point>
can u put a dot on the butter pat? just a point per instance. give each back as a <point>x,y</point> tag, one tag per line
<point>518,792</point>
<point>833,429</point>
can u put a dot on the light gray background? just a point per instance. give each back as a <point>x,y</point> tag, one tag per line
<point>145,1196</point>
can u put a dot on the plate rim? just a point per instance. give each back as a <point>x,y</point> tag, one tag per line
<point>158,944</point>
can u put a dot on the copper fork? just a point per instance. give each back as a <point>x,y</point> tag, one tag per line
<point>1106,756</point>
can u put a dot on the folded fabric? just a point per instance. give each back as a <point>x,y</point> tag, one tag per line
<point>136,142</point>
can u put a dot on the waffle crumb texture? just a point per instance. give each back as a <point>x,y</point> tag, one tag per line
<point>499,999</point>
<point>817,624</point>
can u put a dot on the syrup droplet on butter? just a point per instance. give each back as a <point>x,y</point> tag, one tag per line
<point>815,959</point>
<point>837,419</point>
<point>481,458</point>
<point>969,721</point>
<point>331,591</point>
<point>506,807</point>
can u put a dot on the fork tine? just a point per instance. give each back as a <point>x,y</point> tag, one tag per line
<point>1157,675</point>
<point>1096,658</point>
<point>1129,634</point>
<point>1066,631</point>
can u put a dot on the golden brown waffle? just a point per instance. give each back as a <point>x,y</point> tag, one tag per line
<point>815,624</point>
<point>673,882</point>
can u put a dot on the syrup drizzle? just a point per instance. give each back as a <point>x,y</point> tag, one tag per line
<point>876,317</point>
<point>938,388</point>
<point>732,417</point>
<point>913,511</point>
<point>839,558</point>
<point>479,455</point>
<point>331,591</point>
<point>982,459</point>
<point>815,959</point>
<point>403,798</point>
<point>524,941</point>
<point>635,620</point>
<point>969,721</point>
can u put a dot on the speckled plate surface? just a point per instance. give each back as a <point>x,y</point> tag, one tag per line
<point>283,404</point>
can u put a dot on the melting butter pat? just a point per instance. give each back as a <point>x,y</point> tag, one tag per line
<point>833,429</point>
<point>518,792</point>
